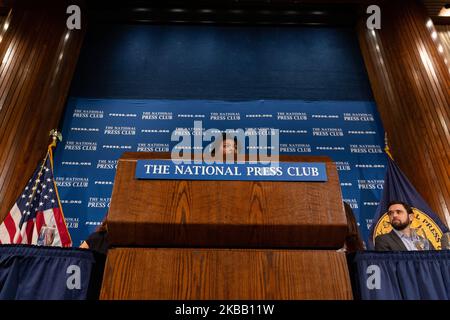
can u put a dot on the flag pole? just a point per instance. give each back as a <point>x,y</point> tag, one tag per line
<point>386,147</point>
<point>55,135</point>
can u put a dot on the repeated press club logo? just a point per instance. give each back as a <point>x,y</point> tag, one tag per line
<point>153,147</point>
<point>359,117</point>
<point>72,182</point>
<point>98,202</point>
<point>88,146</point>
<point>327,132</point>
<point>104,164</point>
<point>343,166</point>
<point>295,148</point>
<point>365,148</point>
<point>292,116</point>
<point>98,132</point>
<point>88,114</point>
<point>225,116</point>
<point>157,115</point>
<point>120,131</point>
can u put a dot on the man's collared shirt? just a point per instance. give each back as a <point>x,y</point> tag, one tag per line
<point>407,241</point>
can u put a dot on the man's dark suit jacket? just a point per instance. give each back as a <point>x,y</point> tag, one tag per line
<point>392,242</point>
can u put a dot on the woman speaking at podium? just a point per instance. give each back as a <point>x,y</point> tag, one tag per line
<point>98,240</point>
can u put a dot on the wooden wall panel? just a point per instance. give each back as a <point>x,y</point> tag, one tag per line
<point>38,55</point>
<point>444,36</point>
<point>411,85</point>
<point>224,274</point>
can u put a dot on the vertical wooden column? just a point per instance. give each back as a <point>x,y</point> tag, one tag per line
<point>443,32</point>
<point>38,55</point>
<point>411,85</point>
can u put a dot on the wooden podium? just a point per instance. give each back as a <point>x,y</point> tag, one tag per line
<point>196,239</point>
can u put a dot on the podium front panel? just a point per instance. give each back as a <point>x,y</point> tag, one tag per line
<point>225,274</point>
<point>197,213</point>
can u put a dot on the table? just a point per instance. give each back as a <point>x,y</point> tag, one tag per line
<point>402,275</point>
<point>48,273</point>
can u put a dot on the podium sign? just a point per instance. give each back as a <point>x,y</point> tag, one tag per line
<point>247,171</point>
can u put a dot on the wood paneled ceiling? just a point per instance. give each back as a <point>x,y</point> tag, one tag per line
<point>340,9</point>
<point>225,11</point>
<point>434,6</point>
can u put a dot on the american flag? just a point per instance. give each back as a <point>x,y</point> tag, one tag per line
<point>37,206</point>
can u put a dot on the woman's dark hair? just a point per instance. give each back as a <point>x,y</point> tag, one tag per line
<point>224,137</point>
<point>103,227</point>
<point>353,240</point>
<point>405,205</point>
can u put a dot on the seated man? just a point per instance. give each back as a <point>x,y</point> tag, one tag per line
<point>400,238</point>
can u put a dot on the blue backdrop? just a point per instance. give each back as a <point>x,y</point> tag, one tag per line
<point>135,84</point>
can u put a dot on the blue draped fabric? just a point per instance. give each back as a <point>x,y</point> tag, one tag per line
<point>48,273</point>
<point>409,275</point>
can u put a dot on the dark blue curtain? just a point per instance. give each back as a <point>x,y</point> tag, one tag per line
<point>409,275</point>
<point>43,273</point>
<point>221,63</point>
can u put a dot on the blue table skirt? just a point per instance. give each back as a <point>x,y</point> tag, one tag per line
<point>47,273</point>
<point>402,275</point>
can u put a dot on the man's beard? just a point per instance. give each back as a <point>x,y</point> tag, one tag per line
<point>401,226</point>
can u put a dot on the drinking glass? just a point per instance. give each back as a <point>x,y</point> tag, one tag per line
<point>420,240</point>
<point>46,236</point>
<point>445,241</point>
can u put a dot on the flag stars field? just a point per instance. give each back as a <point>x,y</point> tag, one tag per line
<point>23,224</point>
